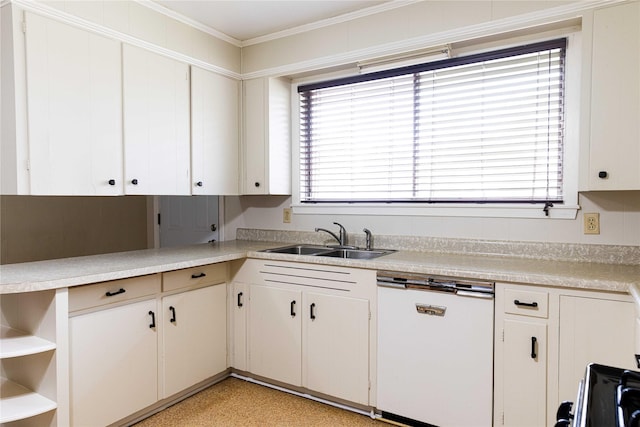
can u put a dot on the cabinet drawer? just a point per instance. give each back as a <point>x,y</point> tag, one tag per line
<point>204,275</point>
<point>89,296</point>
<point>526,302</point>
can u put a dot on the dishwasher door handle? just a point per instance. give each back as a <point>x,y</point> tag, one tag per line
<point>432,310</point>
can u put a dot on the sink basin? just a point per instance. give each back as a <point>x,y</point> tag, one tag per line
<point>355,253</point>
<point>299,250</point>
<point>352,253</point>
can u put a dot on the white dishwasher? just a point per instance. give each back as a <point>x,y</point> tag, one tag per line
<point>435,350</point>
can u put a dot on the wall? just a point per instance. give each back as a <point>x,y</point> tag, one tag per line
<point>619,221</point>
<point>366,35</point>
<point>133,19</point>
<point>48,227</point>
<point>436,22</point>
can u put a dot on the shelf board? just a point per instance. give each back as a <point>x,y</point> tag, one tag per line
<point>18,402</point>
<point>14,343</point>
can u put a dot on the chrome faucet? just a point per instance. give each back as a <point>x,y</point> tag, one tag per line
<point>368,239</point>
<point>341,239</point>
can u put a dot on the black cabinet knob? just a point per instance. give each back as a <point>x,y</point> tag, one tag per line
<point>603,174</point>
<point>112,182</point>
<point>257,184</point>
<point>134,181</point>
<point>199,184</point>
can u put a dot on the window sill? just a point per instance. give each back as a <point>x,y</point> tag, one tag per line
<point>448,210</point>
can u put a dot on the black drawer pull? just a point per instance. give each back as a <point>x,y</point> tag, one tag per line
<point>173,314</point>
<point>525,304</point>
<point>118,292</point>
<point>153,319</point>
<point>293,308</point>
<point>534,340</point>
<point>312,310</point>
<point>239,299</point>
<point>197,276</point>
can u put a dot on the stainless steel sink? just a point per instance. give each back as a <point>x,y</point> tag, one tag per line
<point>299,250</point>
<point>315,250</point>
<point>356,253</point>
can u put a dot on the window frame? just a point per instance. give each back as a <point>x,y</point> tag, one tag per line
<point>566,210</point>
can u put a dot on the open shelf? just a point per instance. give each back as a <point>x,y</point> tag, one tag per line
<point>18,402</point>
<point>14,343</point>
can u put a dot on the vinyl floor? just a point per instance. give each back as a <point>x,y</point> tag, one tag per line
<point>235,402</point>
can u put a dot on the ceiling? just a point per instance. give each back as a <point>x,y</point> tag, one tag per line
<point>245,19</point>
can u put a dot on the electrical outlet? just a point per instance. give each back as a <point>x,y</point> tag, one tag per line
<point>591,223</point>
<point>286,215</point>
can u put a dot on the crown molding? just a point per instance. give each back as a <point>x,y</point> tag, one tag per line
<point>519,22</point>
<point>384,7</point>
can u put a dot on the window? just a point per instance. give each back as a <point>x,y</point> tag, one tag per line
<point>485,128</point>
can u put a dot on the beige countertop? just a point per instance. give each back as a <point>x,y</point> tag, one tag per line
<point>67,272</point>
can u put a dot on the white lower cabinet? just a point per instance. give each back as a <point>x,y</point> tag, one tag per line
<point>545,338</point>
<point>310,326</point>
<point>137,341</point>
<point>275,334</point>
<point>194,332</point>
<point>336,347</point>
<point>114,363</point>
<point>593,330</point>
<point>238,325</point>
<point>525,363</point>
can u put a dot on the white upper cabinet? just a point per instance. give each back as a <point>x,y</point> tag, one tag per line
<point>156,124</point>
<point>615,99</point>
<point>74,107</point>
<point>266,150</point>
<point>215,102</point>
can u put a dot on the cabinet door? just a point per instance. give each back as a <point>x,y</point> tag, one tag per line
<point>615,98</point>
<point>255,155</point>
<point>239,298</point>
<point>195,337</point>
<point>266,154</point>
<point>113,363</point>
<point>156,124</point>
<point>275,332</point>
<point>335,363</point>
<point>74,104</point>
<point>524,378</point>
<point>214,133</point>
<point>593,331</point>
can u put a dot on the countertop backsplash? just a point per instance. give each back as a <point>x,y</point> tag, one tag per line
<point>604,254</point>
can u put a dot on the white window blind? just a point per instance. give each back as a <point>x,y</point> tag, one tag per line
<point>482,128</point>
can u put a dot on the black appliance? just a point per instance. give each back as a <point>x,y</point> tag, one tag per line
<point>607,396</point>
